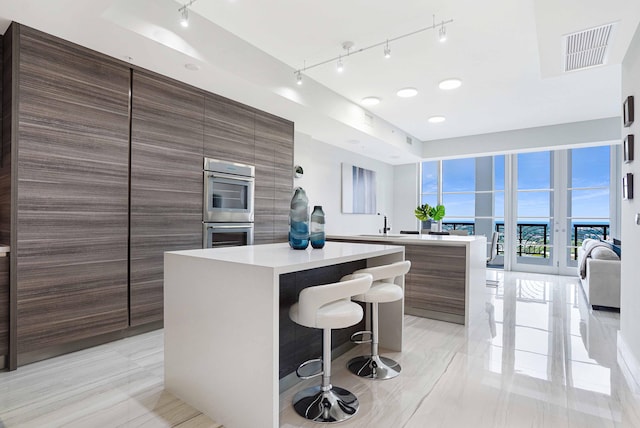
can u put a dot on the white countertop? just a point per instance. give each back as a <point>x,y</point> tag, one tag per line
<point>283,258</point>
<point>4,249</point>
<point>400,239</point>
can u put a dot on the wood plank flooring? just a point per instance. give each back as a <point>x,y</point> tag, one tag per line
<point>537,358</point>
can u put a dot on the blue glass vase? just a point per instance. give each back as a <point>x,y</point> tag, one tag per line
<point>299,220</point>
<point>317,227</point>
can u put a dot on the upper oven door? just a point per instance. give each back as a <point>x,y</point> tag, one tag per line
<point>227,197</point>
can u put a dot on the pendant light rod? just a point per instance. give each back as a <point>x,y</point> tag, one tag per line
<point>384,42</point>
<point>186,5</point>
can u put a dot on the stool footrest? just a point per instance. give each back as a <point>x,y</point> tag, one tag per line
<point>312,375</point>
<point>354,336</point>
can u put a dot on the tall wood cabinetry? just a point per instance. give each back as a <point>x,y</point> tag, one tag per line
<point>4,306</point>
<point>70,162</point>
<point>101,174</point>
<point>274,171</point>
<point>166,184</point>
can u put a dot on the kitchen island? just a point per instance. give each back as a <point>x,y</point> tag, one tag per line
<point>447,277</point>
<point>221,321</point>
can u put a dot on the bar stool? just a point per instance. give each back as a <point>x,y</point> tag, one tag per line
<point>328,307</point>
<point>382,290</point>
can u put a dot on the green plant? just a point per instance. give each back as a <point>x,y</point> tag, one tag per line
<point>422,212</point>
<point>426,212</point>
<point>437,212</point>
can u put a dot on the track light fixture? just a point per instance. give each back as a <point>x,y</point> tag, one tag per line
<point>299,78</point>
<point>387,50</point>
<point>184,13</point>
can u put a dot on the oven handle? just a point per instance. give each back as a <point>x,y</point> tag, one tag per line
<point>239,226</point>
<point>229,176</point>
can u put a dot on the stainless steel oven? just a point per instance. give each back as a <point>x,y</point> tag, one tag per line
<point>228,192</point>
<point>216,235</point>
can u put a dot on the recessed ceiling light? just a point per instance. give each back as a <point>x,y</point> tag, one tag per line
<point>449,84</point>
<point>192,67</point>
<point>370,101</point>
<point>407,92</point>
<point>436,119</point>
<point>353,141</point>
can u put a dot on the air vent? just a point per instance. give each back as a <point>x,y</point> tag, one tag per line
<point>587,48</point>
<point>409,141</point>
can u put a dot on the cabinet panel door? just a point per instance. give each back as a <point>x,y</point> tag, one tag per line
<point>166,184</point>
<point>274,160</point>
<point>436,281</point>
<point>4,305</point>
<point>229,130</point>
<point>72,192</point>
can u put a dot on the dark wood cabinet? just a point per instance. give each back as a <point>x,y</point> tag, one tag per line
<point>228,130</point>
<point>4,305</point>
<point>274,177</point>
<point>100,174</point>
<point>436,281</point>
<point>167,128</point>
<point>72,136</point>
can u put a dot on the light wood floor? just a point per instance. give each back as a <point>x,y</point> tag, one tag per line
<point>537,358</point>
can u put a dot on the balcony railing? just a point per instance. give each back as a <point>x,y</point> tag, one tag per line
<point>534,239</point>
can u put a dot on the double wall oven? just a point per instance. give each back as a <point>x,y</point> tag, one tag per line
<point>228,204</point>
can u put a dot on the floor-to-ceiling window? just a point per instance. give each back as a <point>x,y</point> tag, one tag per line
<point>543,203</point>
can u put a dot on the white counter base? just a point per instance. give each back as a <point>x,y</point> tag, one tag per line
<point>221,310</point>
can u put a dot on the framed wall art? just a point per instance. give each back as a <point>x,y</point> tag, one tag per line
<point>627,111</point>
<point>358,190</point>
<point>628,148</point>
<point>627,186</point>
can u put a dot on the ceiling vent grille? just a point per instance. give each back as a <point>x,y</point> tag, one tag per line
<point>587,48</point>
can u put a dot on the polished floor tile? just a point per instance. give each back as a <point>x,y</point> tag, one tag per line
<point>536,357</point>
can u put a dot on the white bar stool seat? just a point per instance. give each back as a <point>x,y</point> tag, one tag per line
<point>383,290</point>
<point>328,307</point>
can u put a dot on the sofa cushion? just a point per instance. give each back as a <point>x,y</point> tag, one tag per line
<point>614,247</point>
<point>588,243</point>
<point>604,253</point>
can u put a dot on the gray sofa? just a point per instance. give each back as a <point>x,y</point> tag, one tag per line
<point>599,271</point>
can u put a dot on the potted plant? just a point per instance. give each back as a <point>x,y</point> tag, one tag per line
<point>429,215</point>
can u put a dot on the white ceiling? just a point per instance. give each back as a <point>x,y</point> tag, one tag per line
<point>508,54</point>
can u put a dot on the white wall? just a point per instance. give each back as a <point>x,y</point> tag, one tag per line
<point>629,336</point>
<point>322,183</point>
<point>591,132</point>
<point>406,179</point>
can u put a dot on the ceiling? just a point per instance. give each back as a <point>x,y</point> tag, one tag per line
<point>509,55</point>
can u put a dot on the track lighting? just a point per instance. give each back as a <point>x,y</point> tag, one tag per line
<point>184,13</point>
<point>442,34</point>
<point>299,78</point>
<point>387,50</point>
<point>184,18</point>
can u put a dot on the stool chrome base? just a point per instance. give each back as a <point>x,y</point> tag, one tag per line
<point>335,405</point>
<point>374,367</point>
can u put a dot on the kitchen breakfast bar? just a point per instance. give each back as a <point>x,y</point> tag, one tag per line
<point>222,316</point>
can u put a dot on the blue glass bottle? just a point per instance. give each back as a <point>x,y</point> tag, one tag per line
<point>299,220</point>
<point>317,227</point>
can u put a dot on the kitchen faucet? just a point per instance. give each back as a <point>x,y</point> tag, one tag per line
<point>385,229</point>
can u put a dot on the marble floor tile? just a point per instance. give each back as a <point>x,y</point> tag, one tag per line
<point>536,357</point>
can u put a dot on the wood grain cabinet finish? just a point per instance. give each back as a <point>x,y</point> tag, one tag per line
<point>4,305</point>
<point>167,130</point>
<point>274,177</point>
<point>72,192</point>
<point>436,281</point>
<point>228,130</point>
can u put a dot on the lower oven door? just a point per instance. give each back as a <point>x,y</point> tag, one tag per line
<point>217,235</point>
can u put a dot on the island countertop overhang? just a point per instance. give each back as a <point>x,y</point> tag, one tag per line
<point>281,258</point>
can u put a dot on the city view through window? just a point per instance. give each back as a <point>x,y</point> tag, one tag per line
<point>568,188</point>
